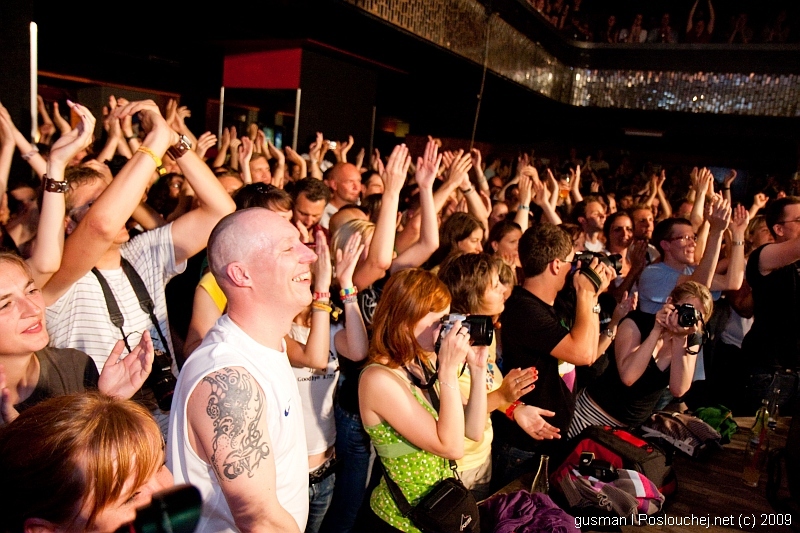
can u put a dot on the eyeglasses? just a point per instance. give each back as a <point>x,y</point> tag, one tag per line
<point>788,221</point>
<point>685,238</point>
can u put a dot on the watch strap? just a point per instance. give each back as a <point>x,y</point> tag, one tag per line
<point>176,151</point>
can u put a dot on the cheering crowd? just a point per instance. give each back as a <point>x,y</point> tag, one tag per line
<point>340,325</point>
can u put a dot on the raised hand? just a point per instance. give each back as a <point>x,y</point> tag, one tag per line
<point>760,200</point>
<point>346,260</point>
<point>342,147</point>
<point>459,169</point>
<point>77,139</point>
<point>275,153</point>
<point>235,142</point>
<point>226,139</point>
<point>517,383</point>
<point>120,377</point>
<point>526,178</point>
<point>428,166</point>
<point>541,195</point>
<point>475,158</point>
<point>447,159</point>
<point>323,269</point>
<point>704,177</point>
<point>359,163</point>
<point>149,117</point>
<point>260,144</point>
<point>718,214</point>
<point>394,177</point>
<point>7,411</point>
<point>730,177</point>
<point>375,161</point>
<point>245,151</point>
<point>62,125</point>
<point>626,305</point>
<point>204,142</point>
<point>529,419</point>
<point>522,162</point>
<point>739,221</point>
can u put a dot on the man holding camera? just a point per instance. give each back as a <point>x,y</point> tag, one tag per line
<point>534,335</point>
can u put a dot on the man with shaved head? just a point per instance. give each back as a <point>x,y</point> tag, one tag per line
<point>236,427</point>
<point>344,179</point>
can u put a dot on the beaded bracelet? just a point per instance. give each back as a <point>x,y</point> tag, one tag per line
<point>352,291</point>
<point>321,307</point>
<point>353,298</point>
<point>524,208</point>
<point>322,295</point>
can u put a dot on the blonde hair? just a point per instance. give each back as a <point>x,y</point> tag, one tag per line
<point>348,229</point>
<point>692,289</point>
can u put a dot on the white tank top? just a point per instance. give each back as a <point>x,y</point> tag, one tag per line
<point>226,345</point>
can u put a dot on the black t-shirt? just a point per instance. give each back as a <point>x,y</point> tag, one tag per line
<point>631,405</point>
<point>773,339</point>
<point>531,330</point>
<point>62,371</point>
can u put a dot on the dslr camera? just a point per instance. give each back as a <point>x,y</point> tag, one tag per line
<point>596,468</point>
<point>613,260</point>
<point>161,380</point>
<point>688,315</point>
<point>480,327</point>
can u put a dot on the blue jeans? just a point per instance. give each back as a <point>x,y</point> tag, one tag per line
<point>352,452</point>
<point>508,463</point>
<point>319,499</point>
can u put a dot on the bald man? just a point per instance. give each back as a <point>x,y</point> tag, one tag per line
<point>344,180</point>
<point>236,427</point>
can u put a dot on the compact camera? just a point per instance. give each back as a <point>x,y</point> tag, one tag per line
<point>688,315</point>
<point>480,327</point>
<point>596,468</point>
<point>161,380</point>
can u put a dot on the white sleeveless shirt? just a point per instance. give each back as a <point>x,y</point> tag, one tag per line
<point>226,345</point>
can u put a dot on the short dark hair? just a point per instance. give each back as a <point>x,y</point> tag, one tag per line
<point>579,211</point>
<point>774,210</point>
<point>540,245</point>
<point>262,195</point>
<point>313,188</point>
<point>77,176</point>
<point>467,276</point>
<point>610,220</point>
<point>663,231</point>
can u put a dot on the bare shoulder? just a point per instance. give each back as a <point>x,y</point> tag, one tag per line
<point>227,413</point>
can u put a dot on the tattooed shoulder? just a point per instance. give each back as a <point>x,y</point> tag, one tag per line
<point>235,406</point>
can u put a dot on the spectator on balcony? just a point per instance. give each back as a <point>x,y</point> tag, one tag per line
<point>697,29</point>
<point>665,33</point>
<point>634,34</point>
<point>742,32</point>
<point>778,30</point>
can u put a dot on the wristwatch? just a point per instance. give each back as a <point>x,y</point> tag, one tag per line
<point>51,185</point>
<point>609,333</point>
<point>596,308</point>
<point>177,150</point>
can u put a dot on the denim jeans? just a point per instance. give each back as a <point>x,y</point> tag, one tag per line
<point>508,463</point>
<point>319,499</point>
<point>353,453</point>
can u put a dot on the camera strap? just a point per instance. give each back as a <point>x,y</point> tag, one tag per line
<point>145,302</point>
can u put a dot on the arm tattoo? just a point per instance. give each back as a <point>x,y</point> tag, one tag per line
<point>235,406</point>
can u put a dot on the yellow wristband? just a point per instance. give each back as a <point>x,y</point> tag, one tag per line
<point>159,165</point>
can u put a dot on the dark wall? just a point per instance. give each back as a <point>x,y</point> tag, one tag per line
<point>337,99</point>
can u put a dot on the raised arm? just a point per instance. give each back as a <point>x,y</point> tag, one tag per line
<point>244,154</point>
<point>579,346</point>
<point>525,196</point>
<point>28,151</point>
<point>279,175</point>
<point>632,353</point>
<point>419,252</point>
<point>190,232</point>
<point>712,17</point>
<point>316,351</point>
<point>759,202</point>
<point>342,147</point>
<point>295,158</point>
<point>718,216</point>
<point>45,259</point>
<point>480,177</point>
<point>666,208</point>
<point>476,406</point>
<point>733,278</point>
<point>223,401</point>
<point>379,257</point>
<point>689,24</point>
<point>222,152</point>
<point>352,342</point>
<point>96,231</point>
<point>575,184</point>
<point>543,197</point>
<point>730,177</point>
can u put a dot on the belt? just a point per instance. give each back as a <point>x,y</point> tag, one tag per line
<point>323,471</point>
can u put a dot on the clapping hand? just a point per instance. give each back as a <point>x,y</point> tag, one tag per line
<point>120,377</point>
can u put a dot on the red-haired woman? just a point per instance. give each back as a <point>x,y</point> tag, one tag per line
<point>415,443</point>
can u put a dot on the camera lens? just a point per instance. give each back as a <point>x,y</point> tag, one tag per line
<point>687,315</point>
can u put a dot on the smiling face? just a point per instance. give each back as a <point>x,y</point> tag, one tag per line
<point>680,246</point>
<point>620,234</point>
<point>22,323</point>
<point>493,298</point>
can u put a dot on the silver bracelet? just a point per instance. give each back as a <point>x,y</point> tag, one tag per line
<point>446,384</point>
<point>738,243</point>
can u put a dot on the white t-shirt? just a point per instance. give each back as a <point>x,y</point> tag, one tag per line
<point>329,211</point>
<point>80,319</point>
<point>225,346</point>
<point>316,392</point>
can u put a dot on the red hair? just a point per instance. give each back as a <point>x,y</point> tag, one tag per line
<point>409,295</point>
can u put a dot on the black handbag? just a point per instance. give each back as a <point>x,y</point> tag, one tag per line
<point>449,507</point>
